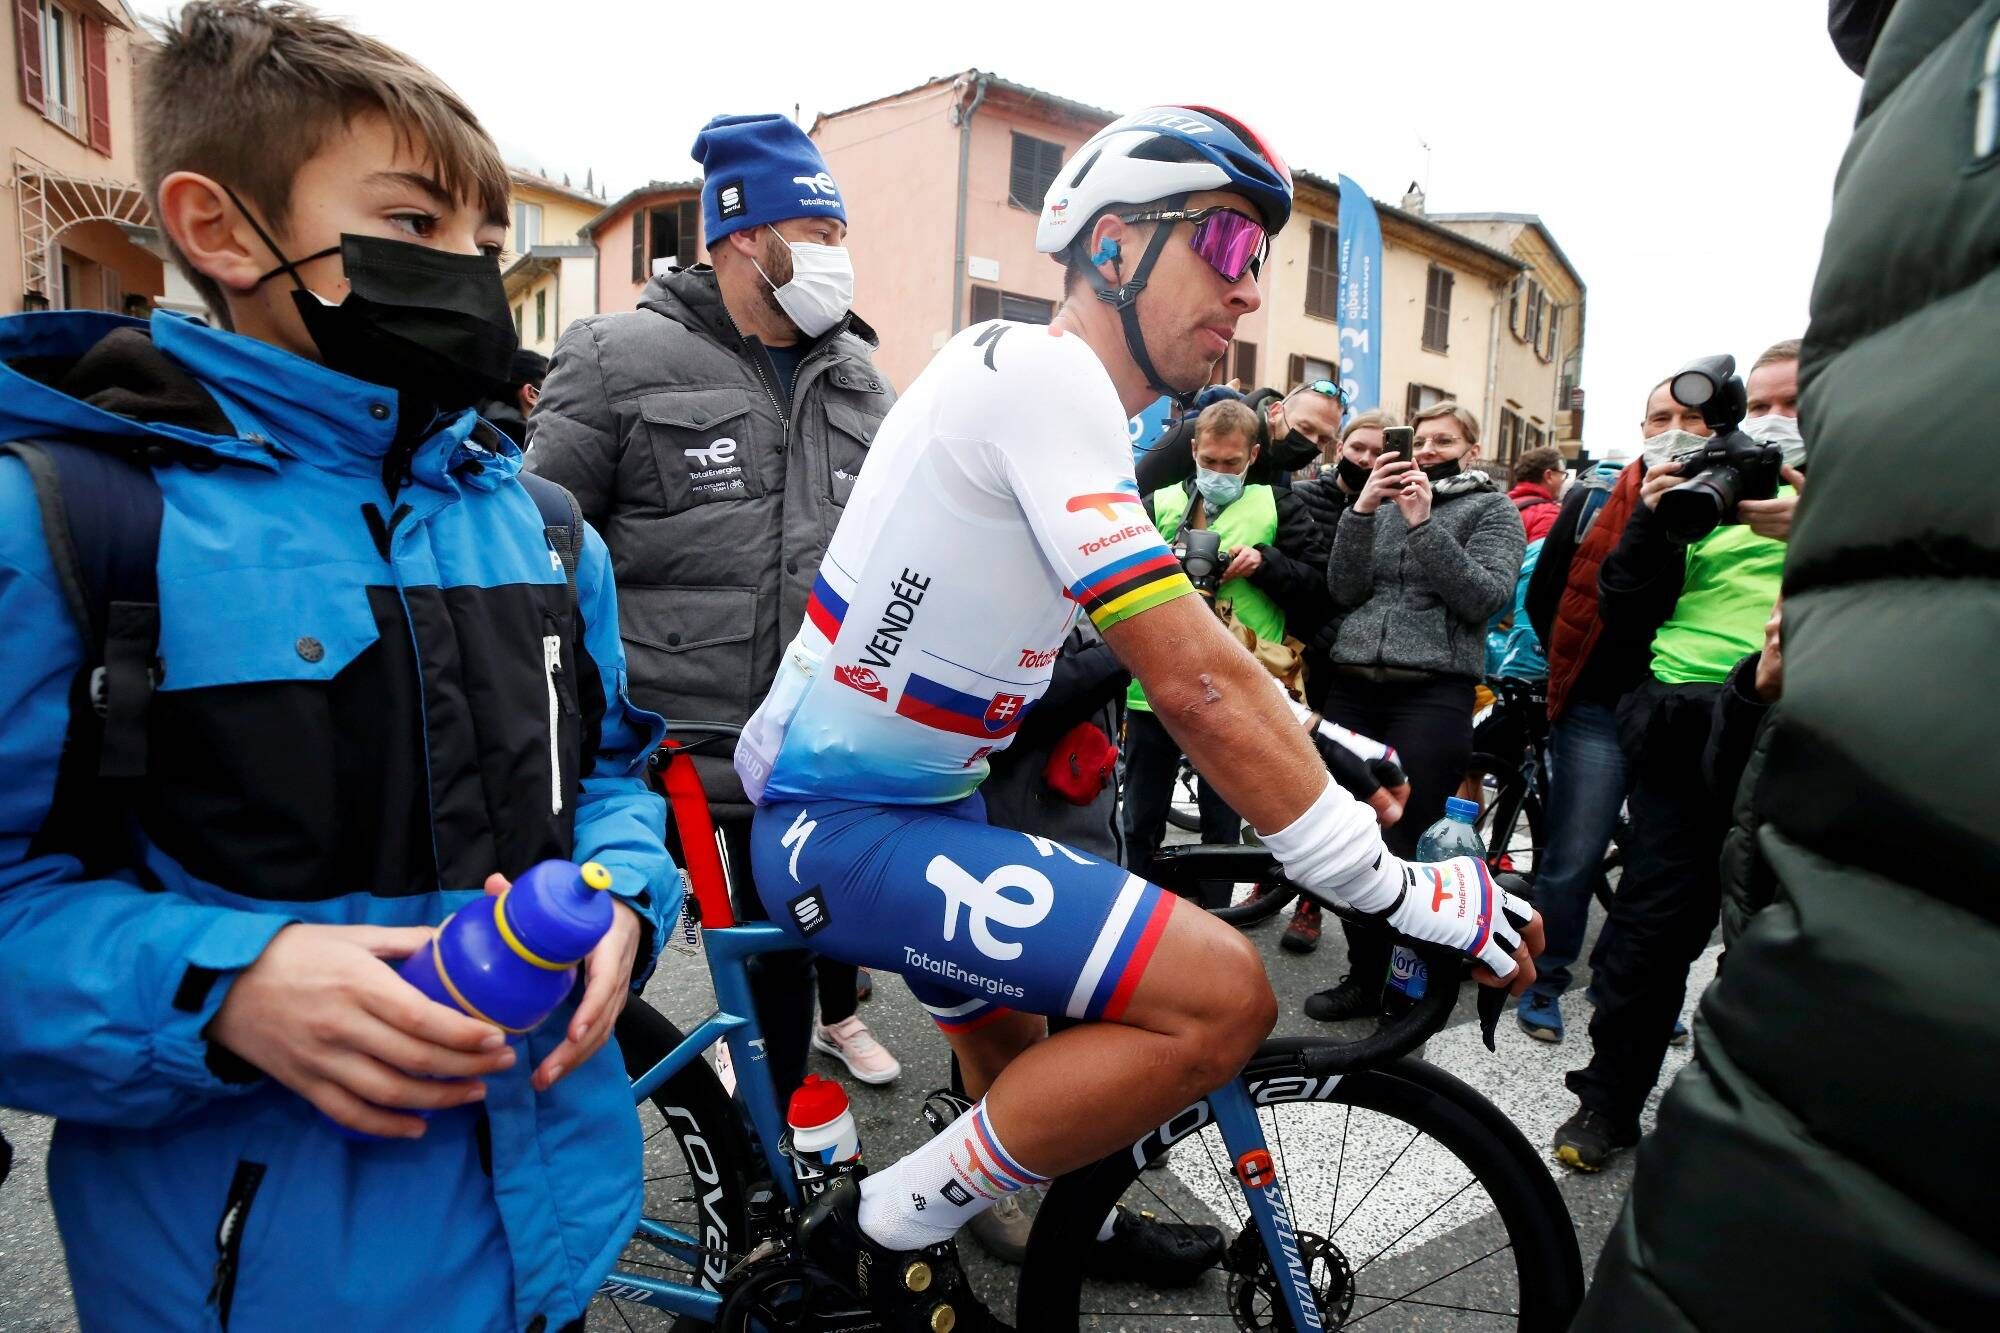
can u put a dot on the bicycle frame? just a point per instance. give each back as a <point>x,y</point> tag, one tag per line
<point>728,949</point>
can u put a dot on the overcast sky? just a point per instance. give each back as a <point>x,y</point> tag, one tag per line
<point>1682,153</point>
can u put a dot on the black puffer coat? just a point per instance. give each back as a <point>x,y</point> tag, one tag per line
<point>1827,1161</point>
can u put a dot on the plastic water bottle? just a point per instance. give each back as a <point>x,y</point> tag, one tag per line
<point>1454,835</point>
<point>824,1142</point>
<point>510,959</point>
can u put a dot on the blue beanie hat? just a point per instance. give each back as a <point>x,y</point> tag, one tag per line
<point>759,169</point>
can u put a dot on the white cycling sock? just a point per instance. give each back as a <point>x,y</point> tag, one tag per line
<point>928,1194</point>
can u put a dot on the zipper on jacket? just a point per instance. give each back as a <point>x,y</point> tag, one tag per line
<point>753,350</point>
<point>552,669</point>
<point>229,1236</point>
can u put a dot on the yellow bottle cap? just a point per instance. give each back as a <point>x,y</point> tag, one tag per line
<point>595,876</point>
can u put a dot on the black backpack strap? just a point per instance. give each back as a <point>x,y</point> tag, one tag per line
<point>562,523</point>
<point>101,517</point>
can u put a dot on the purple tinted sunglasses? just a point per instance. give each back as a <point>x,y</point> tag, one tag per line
<point>1232,243</point>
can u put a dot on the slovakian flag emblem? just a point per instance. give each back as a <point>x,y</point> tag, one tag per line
<point>938,705</point>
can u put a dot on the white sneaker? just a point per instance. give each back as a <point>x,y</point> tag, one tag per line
<point>850,1042</point>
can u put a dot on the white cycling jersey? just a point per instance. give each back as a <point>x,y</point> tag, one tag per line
<point>998,500</point>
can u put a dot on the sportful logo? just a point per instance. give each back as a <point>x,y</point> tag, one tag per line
<point>986,904</point>
<point>863,679</point>
<point>809,910</point>
<point>819,184</point>
<point>729,199</point>
<point>716,453</point>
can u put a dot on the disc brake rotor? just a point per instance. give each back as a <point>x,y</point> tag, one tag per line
<point>1256,1298</point>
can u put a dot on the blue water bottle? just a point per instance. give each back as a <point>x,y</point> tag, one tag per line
<point>1454,835</point>
<point>509,959</point>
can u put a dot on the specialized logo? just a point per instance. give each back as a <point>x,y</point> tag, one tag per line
<point>795,840</point>
<point>819,184</point>
<point>938,705</point>
<point>986,904</point>
<point>1254,1169</point>
<point>809,910</point>
<point>1034,659</point>
<point>906,594</point>
<point>716,453</point>
<point>729,201</point>
<point>864,679</point>
<point>1105,502</point>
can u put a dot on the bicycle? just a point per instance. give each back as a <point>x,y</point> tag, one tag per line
<point>721,1255</point>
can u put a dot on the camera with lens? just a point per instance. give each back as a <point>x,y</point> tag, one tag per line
<point>1729,467</point>
<point>1203,559</point>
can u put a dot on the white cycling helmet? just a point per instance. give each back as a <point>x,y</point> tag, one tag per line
<point>1157,154</point>
<point>1160,156</point>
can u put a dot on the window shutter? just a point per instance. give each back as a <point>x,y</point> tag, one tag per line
<point>638,245</point>
<point>1295,372</point>
<point>1246,365</point>
<point>985,304</point>
<point>1021,171</point>
<point>1052,160</point>
<point>28,31</point>
<point>690,238</point>
<point>97,85</point>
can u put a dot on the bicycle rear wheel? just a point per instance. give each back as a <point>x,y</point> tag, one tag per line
<point>698,1161</point>
<point>1415,1203</point>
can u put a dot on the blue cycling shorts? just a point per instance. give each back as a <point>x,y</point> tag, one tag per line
<point>979,920</point>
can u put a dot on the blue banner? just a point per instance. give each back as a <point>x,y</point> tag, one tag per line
<point>1360,298</point>
<point>1146,428</point>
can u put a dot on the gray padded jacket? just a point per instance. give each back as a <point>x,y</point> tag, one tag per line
<point>717,504</point>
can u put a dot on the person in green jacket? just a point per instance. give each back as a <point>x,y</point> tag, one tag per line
<point>1276,555</point>
<point>1824,1162</point>
<point>1705,604</point>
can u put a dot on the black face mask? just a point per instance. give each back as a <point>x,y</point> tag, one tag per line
<point>1292,451</point>
<point>1352,474</point>
<point>434,327</point>
<point>1438,472</point>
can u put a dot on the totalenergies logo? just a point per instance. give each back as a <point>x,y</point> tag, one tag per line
<point>1104,502</point>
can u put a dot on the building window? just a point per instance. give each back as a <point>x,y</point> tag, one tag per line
<point>1437,309</point>
<point>990,303</point>
<point>1323,273</point>
<point>1524,312</point>
<point>1553,334</point>
<point>638,245</point>
<point>1032,170</point>
<point>1420,396</point>
<point>676,234</point>
<point>520,320</point>
<point>541,315</point>
<point>1304,370</point>
<point>62,66</point>
<point>527,227</point>
<point>1244,365</point>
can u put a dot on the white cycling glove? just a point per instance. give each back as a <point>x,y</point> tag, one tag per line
<point>1333,851</point>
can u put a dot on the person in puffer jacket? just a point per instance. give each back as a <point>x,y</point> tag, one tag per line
<point>376,697</point>
<point>1821,1164</point>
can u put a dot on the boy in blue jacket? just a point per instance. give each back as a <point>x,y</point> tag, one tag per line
<point>374,694</point>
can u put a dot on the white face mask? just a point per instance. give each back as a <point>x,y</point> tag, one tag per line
<point>821,291</point>
<point>1669,445</point>
<point>1781,431</point>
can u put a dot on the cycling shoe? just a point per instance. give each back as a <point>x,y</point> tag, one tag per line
<point>909,1291</point>
<point>1159,1254</point>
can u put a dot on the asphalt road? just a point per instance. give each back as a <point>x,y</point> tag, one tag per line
<point>1524,1078</point>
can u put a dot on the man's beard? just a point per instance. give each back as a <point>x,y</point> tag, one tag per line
<point>775,257</point>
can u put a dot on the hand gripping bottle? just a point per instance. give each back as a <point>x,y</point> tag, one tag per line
<point>824,1142</point>
<point>510,959</point>
<point>1454,835</point>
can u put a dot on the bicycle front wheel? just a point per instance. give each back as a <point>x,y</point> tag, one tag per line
<point>1414,1201</point>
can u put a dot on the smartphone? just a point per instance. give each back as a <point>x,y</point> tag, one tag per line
<point>1399,442</point>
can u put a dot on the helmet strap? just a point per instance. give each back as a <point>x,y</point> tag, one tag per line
<point>1124,298</point>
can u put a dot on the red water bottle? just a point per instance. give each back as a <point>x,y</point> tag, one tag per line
<point>824,1142</point>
